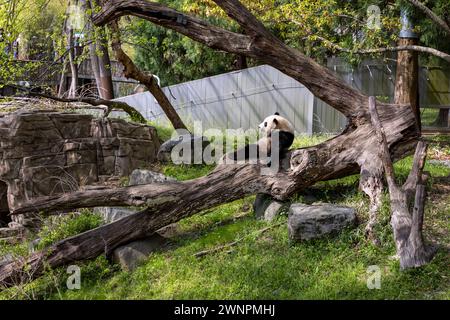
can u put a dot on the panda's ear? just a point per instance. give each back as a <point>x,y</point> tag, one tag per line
<point>275,121</point>
<point>277,114</point>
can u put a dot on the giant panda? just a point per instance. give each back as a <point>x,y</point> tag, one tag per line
<point>270,125</point>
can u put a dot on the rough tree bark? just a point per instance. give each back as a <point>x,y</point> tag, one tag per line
<point>99,56</point>
<point>407,226</point>
<point>353,150</point>
<point>73,66</point>
<point>407,78</point>
<point>442,120</point>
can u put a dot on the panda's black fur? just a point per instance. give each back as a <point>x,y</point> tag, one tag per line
<point>272,123</point>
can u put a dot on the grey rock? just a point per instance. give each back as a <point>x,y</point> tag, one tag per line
<point>307,222</point>
<point>139,177</point>
<point>445,163</point>
<point>6,259</point>
<point>130,255</point>
<point>195,143</point>
<point>266,208</point>
<point>111,214</point>
<point>273,210</point>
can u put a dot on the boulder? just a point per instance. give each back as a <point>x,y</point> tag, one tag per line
<point>130,255</point>
<point>139,177</point>
<point>6,259</point>
<point>195,144</point>
<point>307,222</point>
<point>445,163</point>
<point>266,208</point>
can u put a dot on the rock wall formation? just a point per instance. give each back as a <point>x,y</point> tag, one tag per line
<point>45,153</point>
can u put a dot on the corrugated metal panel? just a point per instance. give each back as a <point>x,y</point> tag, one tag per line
<point>239,99</point>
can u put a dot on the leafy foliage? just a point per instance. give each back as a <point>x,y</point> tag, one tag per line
<point>64,227</point>
<point>29,30</point>
<point>173,57</point>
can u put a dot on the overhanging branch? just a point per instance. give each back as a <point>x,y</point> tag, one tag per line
<point>260,44</point>
<point>440,54</point>
<point>434,17</point>
<point>110,104</point>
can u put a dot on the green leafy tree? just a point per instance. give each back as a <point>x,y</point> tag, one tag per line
<point>175,58</point>
<point>27,32</point>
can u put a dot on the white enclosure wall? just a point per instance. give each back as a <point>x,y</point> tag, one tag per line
<point>239,99</point>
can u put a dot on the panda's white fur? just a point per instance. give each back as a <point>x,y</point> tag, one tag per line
<point>270,125</point>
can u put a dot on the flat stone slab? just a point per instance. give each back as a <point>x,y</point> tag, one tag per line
<point>308,222</point>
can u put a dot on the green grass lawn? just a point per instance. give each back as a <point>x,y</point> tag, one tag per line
<point>267,265</point>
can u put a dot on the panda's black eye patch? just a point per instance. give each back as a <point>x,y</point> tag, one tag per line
<point>265,124</point>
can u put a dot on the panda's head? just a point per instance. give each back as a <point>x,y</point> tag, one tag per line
<point>275,122</point>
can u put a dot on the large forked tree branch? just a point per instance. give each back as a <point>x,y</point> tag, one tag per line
<point>436,19</point>
<point>170,202</point>
<point>257,43</point>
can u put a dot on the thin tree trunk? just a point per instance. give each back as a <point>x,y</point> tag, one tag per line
<point>63,80</point>
<point>133,72</point>
<point>106,81</point>
<point>442,119</point>
<point>99,56</point>
<point>73,66</point>
<point>407,78</point>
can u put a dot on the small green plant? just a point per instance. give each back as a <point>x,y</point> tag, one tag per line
<point>58,228</point>
<point>164,131</point>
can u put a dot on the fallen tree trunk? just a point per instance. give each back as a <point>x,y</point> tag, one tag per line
<point>169,202</point>
<point>353,150</point>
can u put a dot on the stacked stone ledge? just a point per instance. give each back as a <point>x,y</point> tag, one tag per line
<point>49,153</point>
